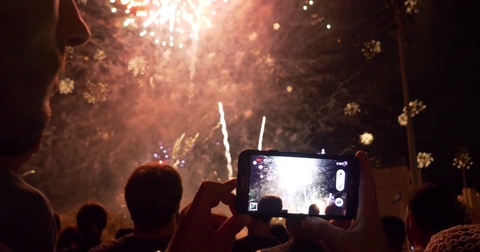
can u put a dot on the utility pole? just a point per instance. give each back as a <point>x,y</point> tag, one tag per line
<point>412,153</point>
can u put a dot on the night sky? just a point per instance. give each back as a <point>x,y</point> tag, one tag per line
<point>443,61</point>
<point>126,100</point>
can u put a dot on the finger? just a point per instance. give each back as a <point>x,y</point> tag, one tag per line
<point>367,193</point>
<point>211,193</point>
<point>217,220</point>
<point>333,237</point>
<point>208,196</point>
<point>225,235</point>
<point>232,207</point>
<point>227,197</point>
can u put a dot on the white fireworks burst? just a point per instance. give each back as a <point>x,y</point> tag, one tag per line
<point>168,22</point>
<point>416,107</point>
<point>371,48</point>
<point>66,86</point>
<point>463,161</point>
<point>366,138</point>
<point>351,109</point>
<point>424,159</point>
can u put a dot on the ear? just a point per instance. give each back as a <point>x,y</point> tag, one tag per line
<point>409,220</point>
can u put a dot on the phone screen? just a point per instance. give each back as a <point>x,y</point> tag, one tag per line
<point>307,184</point>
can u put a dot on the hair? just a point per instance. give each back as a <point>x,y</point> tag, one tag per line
<point>333,209</point>
<point>270,204</point>
<point>153,193</point>
<point>91,217</point>
<point>435,208</point>
<point>68,237</point>
<point>394,229</point>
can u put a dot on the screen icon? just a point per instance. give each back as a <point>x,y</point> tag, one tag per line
<point>253,206</point>
<point>340,181</point>
<point>339,202</point>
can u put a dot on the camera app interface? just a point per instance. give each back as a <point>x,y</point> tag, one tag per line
<point>305,185</point>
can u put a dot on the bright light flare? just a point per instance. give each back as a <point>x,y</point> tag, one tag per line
<point>294,178</point>
<point>166,19</point>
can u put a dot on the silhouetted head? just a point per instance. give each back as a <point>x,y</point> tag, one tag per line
<point>313,209</point>
<point>91,219</point>
<point>32,54</point>
<point>153,193</point>
<point>435,208</point>
<point>270,204</point>
<point>68,237</point>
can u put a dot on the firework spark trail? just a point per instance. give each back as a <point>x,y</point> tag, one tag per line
<point>193,62</point>
<point>262,129</point>
<point>225,140</point>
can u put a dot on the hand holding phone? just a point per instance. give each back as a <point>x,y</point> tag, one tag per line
<point>308,184</point>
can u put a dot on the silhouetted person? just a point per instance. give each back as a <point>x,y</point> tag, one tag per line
<point>33,38</point>
<point>91,221</point>
<point>313,209</point>
<point>394,228</point>
<point>153,193</point>
<point>432,208</point>
<point>299,239</point>
<point>259,235</point>
<point>332,209</point>
<point>27,220</point>
<point>279,231</point>
<point>68,237</point>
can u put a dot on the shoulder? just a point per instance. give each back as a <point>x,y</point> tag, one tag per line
<point>279,248</point>
<point>129,243</point>
<point>457,238</point>
<point>114,245</point>
<point>71,249</point>
<point>26,216</point>
<point>14,190</point>
<point>253,242</point>
<point>19,199</point>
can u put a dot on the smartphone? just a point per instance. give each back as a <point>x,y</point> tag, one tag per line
<point>307,184</point>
